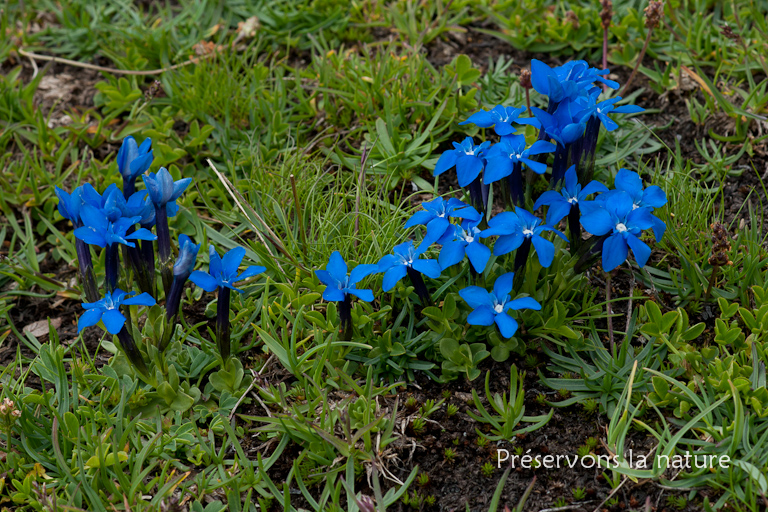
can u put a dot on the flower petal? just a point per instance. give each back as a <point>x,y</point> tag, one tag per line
<point>392,276</point>
<point>365,294</point>
<point>231,261</point>
<point>89,318</point>
<point>639,248</point>
<point>451,254</point>
<point>478,255</point>
<point>468,169</point>
<point>614,252</point>
<point>476,297</point>
<point>506,324</point>
<point>360,272</point>
<point>430,268</point>
<point>203,280</point>
<point>544,249</point>
<point>113,321</point>
<point>337,266</point>
<point>503,285</point>
<point>332,294</point>
<point>523,303</point>
<point>142,299</point>
<point>484,315</point>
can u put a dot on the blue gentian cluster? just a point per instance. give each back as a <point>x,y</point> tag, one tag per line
<point>126,218</point>
<point>568,130</point>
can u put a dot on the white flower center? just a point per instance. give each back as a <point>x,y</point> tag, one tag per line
<point>573,200</point>
<point>635,206</point>
<point>470,239</point>
<point>498,308</point>
<point>528,232</point>
<point>469,152</point>
<point>621,228</point>
<point>442,215</point>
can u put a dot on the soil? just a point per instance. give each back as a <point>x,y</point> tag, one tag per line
<point>458,483</point>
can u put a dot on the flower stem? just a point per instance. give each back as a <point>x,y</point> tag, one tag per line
<point>574,228</point>
<point>521,257</point>
<point>419,286</point>
<point>87,276</point>
<point>560,164</point>
<point>476,194</point>
<point>639,61</point>
<point>111,264</point>
<point>164,247</point>
<point>131,350</point>
<point>148,264</point>
<point>609,312</point>
<point>172,302</point>
<point>129,187</point>
<point>222,323</point>
<point>515,185</point>
<point>711,282</point>
<point>345,315</point>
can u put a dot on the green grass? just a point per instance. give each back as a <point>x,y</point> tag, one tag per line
<point>285,114</point>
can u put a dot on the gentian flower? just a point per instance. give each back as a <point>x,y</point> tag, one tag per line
<point>132,161</point>
<point>464,240</point>
<point>222,275</point>
<point>182,269</point>
<point>493,307</point>
<point>571,80</point>
<point>108,311</point>
<point>69,207</point>
<point>163,190</point>
<point>436,214</point>
<point>111,203</point>
<point>466,157</point>
<point>602,109</point>
<point>506,160</point>
<point>98,230</point>
<point>406,261</point>
<point>501,118</point>
<point>567,200</point>
<point>623,223</point>
<point>520,229</point>
<point>565,126</point>
<point>339,286</point>
<point>651,197</point>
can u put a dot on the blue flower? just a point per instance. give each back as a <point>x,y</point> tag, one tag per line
<point>111,203</point>
<point>602,109</point>
<point>625,223</point>
<point>490,308</point>
<point>572,79</point>
<point>339,284</point>
<point>566,125</point>
<point>185,263</point>
<point>140,205</point>
<point>108,310</point>
<point>501,118</point>
<point>223,271</point>
<point>132,161</point>
<point>70,204</point>
<point>464,240</point>
<point>650,197</point>
<point>395,266</point>
<point>515,227</point>
<point>98,230</point>
<point>467,157</point>
<point>161,187</point>
<point>560,203</point>
<point>503,156</point>
<point>436,214</point>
